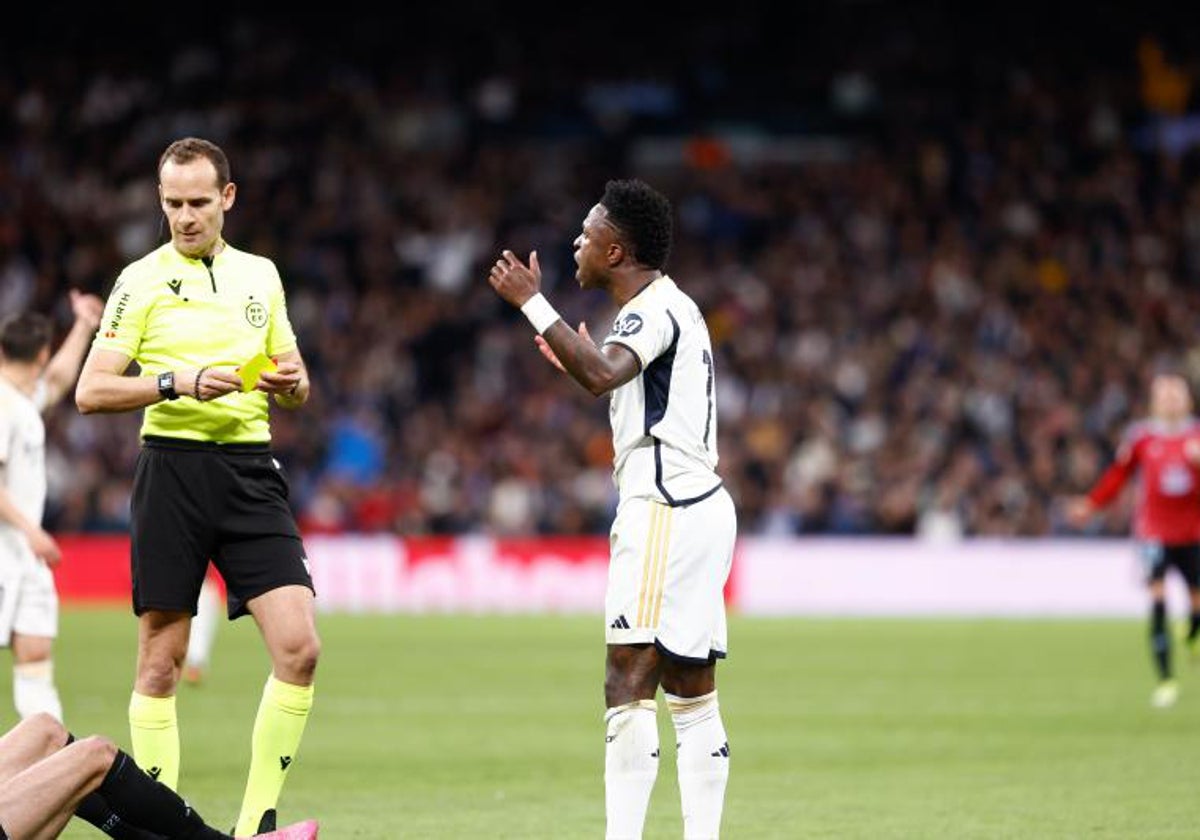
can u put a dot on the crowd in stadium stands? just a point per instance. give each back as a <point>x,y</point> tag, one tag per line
<point>936,296</point>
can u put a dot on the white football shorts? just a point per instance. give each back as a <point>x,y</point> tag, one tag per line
<point>666,576</point>
<point>28,599</point>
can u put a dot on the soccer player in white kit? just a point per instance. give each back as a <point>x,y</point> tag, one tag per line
<point>31,381</point>
<point>672,540</point>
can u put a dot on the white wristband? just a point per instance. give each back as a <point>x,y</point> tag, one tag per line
<point>540,313</point>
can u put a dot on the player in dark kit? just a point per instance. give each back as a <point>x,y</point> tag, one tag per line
<point>1165,451</point>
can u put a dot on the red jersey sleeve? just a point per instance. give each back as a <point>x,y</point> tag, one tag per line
<point>1114,478</point>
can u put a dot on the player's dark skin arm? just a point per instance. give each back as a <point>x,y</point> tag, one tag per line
<point>599,369</point>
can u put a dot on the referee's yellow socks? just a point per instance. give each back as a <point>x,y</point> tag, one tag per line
<point>154,733</point>
<point>277,732</point>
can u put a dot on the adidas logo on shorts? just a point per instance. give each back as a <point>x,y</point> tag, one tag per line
<point>620,623</point>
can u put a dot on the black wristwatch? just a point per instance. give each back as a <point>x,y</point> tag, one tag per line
<point>166,385</point>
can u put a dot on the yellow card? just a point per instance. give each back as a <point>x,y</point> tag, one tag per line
<point>251,369</point>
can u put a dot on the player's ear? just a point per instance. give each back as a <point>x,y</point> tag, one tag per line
<point>228,196</point>
<point>616,253</point>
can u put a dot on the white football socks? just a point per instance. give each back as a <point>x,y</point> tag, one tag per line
<point>703,763</point>
<point>34,691</point>
<point>630,767</point>
<point>205,622</point>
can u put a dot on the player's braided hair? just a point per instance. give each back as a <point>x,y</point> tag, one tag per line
<point>643,216</point>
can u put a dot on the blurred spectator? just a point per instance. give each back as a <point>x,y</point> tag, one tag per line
<point>936,293</point>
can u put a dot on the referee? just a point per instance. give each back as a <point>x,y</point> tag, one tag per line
<point>190,313</point>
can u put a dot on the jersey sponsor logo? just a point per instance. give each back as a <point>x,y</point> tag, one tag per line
<point>118,313</point>
<point>256,314</point>
<point>630,324</point>
<point>175,286</point>
<point>1175,480</point>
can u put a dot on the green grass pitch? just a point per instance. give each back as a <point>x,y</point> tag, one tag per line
<point>464,727</point>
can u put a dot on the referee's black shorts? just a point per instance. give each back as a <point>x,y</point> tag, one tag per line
<point>194,502</point>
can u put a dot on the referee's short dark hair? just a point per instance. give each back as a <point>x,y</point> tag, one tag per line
<point>643,216</point>
<point>190,148</point>
<point>23,336</point>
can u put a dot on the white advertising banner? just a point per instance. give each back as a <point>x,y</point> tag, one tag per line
<point>816,577</point>
<point>903,577</point>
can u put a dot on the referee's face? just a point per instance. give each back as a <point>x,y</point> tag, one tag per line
<point>194,205</point>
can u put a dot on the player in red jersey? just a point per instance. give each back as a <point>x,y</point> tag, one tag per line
<point>1165,451</point>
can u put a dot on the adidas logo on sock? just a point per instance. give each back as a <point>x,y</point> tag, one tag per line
<point>723,752</point>
<point>620,624</point>
<point>654,754</point>
<point>154,773</point>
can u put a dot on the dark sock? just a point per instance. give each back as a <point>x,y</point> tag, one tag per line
<point>1194,629</point>
<point>1160,642</point>
<point>139,800</point>
<point>95,810</point>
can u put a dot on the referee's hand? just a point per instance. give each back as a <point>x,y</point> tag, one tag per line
<point>207,383</point>
<point>283,380</point>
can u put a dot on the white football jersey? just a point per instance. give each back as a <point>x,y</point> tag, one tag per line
<point>664,420</point>
<point>22,452</point>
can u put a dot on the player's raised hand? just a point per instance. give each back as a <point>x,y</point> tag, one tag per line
<point>87,308</point>
<point>45,548</point>
<point>515,282</point>
<point>548,352</point>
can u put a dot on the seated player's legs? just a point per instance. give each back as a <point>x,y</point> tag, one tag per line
<point>39,789</point>
<point>28,742</point>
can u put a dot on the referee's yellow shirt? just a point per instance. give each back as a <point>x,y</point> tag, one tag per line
<point>169,312</point>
